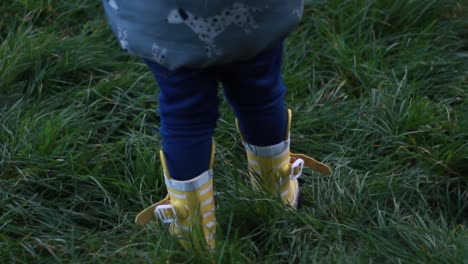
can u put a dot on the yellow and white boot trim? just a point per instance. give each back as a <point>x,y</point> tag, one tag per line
<point>189,208</point>
<point>277,170</point>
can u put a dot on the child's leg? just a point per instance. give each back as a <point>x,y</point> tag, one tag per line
<point>256,93</point>
<point>188,106</point>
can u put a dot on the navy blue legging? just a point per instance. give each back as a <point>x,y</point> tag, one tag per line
<point>188,106</point>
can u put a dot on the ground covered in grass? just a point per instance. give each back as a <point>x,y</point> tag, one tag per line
<point>378,89</point>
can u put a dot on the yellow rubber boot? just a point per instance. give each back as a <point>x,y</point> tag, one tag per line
<point>189,209</point>
<point>277,170</point>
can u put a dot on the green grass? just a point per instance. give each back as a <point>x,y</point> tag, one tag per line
<point>378,89</point>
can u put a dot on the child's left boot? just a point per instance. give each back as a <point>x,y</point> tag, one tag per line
<point>189,209</point>
<point>277,170</point>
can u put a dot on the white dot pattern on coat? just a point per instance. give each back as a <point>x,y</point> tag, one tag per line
<point>159,53</point>
<point>209,28</point>
<point>299,11</point>
<point>113,5</point>
<point>123,39</point>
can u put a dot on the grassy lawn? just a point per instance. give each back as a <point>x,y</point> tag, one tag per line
<point>378,90</point>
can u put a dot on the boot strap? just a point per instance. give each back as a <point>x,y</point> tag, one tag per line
<point>166,213</point>
<point>308,162</point>
<point>296,169</point>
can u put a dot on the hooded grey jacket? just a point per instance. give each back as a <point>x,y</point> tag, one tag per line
<point>200,33</point>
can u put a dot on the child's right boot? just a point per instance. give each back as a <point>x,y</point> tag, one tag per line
<point>189,209</point>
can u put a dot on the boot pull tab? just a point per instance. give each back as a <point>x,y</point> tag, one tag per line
<point>148,214</point>
<point>312,163</point>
